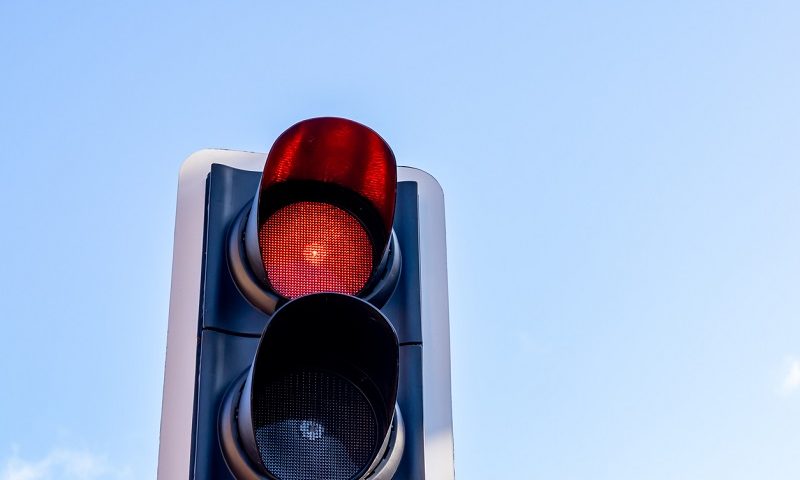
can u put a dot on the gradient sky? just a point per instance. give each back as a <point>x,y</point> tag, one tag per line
<point>622,184</point>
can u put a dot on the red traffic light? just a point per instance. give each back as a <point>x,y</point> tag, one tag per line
<point>325,208</point>
<point>311,247</point>
<point>260,384</point>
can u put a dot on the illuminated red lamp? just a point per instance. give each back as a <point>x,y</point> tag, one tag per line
<point>325,208</point>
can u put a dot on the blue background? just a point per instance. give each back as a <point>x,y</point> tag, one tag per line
<point>621,182</point>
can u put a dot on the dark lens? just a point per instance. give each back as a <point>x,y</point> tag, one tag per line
<point>314,424</point>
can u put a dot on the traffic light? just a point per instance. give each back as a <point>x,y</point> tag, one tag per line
<point>308,333</point>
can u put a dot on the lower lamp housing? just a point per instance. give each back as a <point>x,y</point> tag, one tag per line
<point>319,400</point>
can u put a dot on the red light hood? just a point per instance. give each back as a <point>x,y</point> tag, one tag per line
<point>333,165</point>
<point>335,151</point>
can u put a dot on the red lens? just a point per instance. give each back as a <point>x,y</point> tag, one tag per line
<point>311,247</point>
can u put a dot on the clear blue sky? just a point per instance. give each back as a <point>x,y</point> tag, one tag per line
<point>622,183</point>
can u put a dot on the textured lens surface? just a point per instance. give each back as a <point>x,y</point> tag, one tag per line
<point>311,247</point>
<point>311,424</point>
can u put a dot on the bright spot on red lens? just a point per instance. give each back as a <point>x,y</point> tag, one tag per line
<point>310,247</point>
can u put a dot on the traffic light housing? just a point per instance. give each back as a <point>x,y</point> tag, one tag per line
<point>308,333</point>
